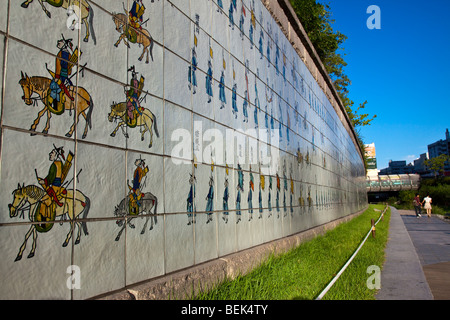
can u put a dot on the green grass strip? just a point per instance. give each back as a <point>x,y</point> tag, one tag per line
<point>303,272</point>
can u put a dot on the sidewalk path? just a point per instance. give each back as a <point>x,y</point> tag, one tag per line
<point>431,239</point>
<point>402,277</point>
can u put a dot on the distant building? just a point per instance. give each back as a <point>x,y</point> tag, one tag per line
<point>397,167</point>
<point>419,164</point>
<point>371,160</point>
<point>441,147</point>
<point>434,150</point>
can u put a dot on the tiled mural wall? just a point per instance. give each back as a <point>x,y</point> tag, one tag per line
<point>149,136</point>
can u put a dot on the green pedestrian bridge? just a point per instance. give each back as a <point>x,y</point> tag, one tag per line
<point>389,183</point>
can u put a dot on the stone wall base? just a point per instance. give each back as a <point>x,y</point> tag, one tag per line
<point>185,284</point>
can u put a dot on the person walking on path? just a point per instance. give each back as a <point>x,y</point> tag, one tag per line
<point>427,206</point>
<point>417,205</point>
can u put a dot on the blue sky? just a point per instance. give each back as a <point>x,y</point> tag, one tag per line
<point>402,70</point>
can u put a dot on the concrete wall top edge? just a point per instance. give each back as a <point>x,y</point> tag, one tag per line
<point>290,25</point>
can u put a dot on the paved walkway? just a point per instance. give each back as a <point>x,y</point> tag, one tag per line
<point>431,238</point>
<point>417,265</point>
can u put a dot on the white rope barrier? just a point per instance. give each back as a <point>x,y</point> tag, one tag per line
<point>328,287</point>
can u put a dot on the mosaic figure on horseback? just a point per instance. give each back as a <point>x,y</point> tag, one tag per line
<point>129,25</point>
<point>137,202</point>
<point>51,199</point>
<point>58,93</point>
<point>130,113</point>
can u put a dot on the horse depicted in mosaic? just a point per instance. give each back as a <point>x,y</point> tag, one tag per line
<point>41,86</point>
<point>28,199</point>
<point>144,119</point>
<point>81,7</point>
<point>129,209</point>
<point>129,34</point>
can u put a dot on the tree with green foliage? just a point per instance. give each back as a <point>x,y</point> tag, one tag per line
<point>317,22</point>
<point>437,164</point>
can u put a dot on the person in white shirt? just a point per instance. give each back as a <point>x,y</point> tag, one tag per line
<point>427,206</point>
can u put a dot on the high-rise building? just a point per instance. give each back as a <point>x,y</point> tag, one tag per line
<point>440,147</point>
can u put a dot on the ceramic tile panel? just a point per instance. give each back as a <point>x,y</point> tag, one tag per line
<point>195,131</point>
<point>235,40</point>
<point>152,72</point>
<point>29,21</point>
<point>258,225</point>
<point>34,154</point>
<point>219,27</point>
<point>203,100</point>
<point>50,258</point>
<point>99,115</point>
<point>97,257</point>
<point>47,246</point>
<point>103,37</point>
<point>225,203</point>
<point>111,6</point>
<point>206,245</point>
<point>28,83</point>
<point>204,10</point>
<point>178,133</point>
<point>105,166</point>
<point>145,225</point>
<point>2,47</point>
<point>296,216</point>
<point>153,18</point>
<point>177,87</point>
<point>4,15</point>
<point>181,205</point>
<point>180,39</point>
<point>182,5</point>
<point>148,134</point>
<point>243,213</point>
